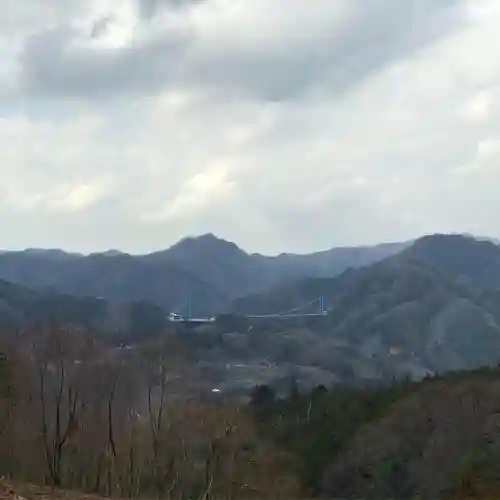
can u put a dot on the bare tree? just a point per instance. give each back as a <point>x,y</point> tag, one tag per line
<point>8,394</point>
<point>60,362</point>
<point>157,380</point>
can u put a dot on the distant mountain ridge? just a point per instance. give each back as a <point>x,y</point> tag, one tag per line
<point>472,260</point>
<point>23,308</point>
<point>434,306</point>
<point>210,271</point>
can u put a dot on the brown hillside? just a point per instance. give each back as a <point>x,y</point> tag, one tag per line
<point>9,491</point>
<point>442,441</point>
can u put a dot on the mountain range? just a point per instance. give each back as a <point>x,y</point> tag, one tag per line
<point>412,308</point>
<point>433,306</point>
<point>210,271</point>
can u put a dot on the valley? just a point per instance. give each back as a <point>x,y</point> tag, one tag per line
<point>398,310</point>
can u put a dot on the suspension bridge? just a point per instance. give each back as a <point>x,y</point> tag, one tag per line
<point>313,308</point>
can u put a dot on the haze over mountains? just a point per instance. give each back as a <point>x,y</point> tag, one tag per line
<point>395,309</point>
<point>434,305</point>
<point>210,271</point>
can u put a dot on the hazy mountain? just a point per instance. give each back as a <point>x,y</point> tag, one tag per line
<point>333,262</point>
<point>206,269</point>
<point>23,308</point>
<point>431,307</point>
<point>424,307</point>
<point>465,258</point>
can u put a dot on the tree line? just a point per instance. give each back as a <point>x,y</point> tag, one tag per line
<point>77,414</point>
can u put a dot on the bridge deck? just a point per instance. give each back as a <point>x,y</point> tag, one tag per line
<point>289,314</point>
<point>286,316</point>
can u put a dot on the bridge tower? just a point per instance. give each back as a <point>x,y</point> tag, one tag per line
<point>322,304</point>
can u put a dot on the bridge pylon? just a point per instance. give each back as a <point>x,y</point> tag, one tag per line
<point>322,304</point>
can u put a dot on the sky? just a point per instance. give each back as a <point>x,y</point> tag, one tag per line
<point>281,125</point>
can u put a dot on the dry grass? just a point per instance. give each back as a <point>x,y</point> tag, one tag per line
<point>9,491</point>
<point>15,491</point>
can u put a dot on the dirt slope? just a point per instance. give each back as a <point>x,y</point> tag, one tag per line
<point>10,491</point>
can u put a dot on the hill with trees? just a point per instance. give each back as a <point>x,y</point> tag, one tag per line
<point>22,308</point>
<point>426,307</point>
<point>433,439</point>
<point>76,415</point>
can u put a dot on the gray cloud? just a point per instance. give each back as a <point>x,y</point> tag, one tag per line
<point>100,26</point>
<point>373,34</point>
<point>149,8</point>
<point>334,50</point>
<point>52,68</point>
<point>130,124</point>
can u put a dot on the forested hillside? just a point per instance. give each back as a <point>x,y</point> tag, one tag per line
<point>433,439</point>
<point>77,415</point>
<point>427,307</point>
<point>22,308</point>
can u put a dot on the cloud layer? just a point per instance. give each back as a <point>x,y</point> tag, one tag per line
<point>278,125</point>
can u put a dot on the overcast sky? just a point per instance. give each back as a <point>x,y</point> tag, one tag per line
<point>282,125</point>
